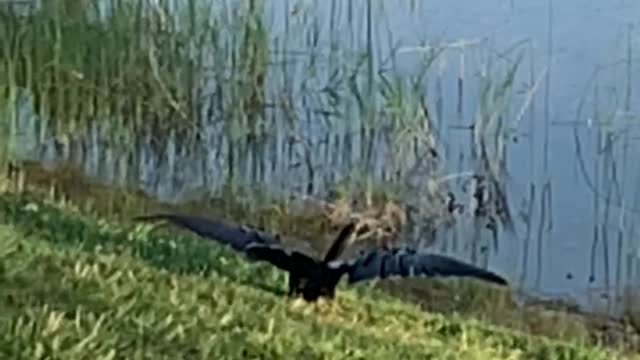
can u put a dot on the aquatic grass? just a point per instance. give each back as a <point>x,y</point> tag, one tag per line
<point>115,304</point>
<point>170,70</point>
<point>129,64</point>
<point>157,81</point>
<point>604,170</point>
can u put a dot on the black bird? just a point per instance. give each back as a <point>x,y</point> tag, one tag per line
<point>313,278</point>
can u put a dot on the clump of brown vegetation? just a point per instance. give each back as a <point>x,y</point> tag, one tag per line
<point>380,223</point>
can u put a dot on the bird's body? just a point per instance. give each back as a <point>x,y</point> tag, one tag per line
<point>313,278</point>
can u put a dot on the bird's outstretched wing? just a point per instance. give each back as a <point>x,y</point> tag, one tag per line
<point>383,263</point>
<point>343,239</point>
<point>234,235</point>
<point>284,259</point>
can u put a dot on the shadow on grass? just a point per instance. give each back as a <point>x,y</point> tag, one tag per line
<point>163,249</point>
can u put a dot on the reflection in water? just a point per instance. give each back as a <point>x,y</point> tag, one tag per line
<point>588,183</point>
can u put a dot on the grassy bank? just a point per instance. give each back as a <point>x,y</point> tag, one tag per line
<point>77,287</point>
<point>466,299</point>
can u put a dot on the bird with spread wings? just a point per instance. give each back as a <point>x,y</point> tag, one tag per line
<point>313,278</point>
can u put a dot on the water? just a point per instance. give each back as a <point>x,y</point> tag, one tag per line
<point>571,39</point>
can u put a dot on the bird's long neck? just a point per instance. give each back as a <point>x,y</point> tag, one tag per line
<point>340,243</point>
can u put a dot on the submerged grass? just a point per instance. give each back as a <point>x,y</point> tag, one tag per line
<point>76,287</point>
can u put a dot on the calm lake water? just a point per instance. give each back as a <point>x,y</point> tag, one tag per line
<point>584,46</point>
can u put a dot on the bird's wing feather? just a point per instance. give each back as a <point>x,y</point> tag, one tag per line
<point>234,235</point>
<point>382,263</point>
<point>291,261</point>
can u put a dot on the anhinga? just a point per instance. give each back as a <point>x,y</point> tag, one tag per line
<point>313,277</point>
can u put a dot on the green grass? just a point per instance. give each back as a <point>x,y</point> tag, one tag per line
<point>76,287</point>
